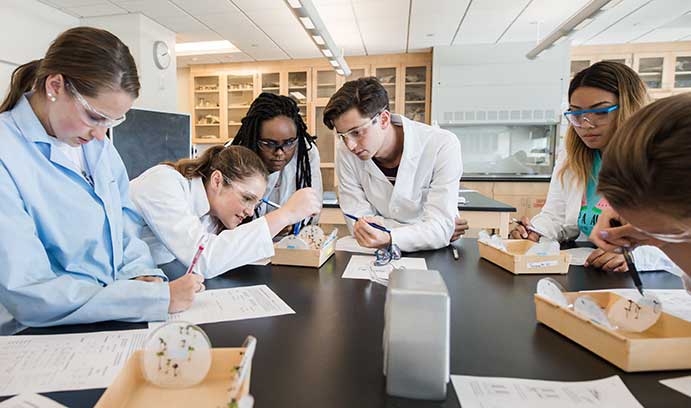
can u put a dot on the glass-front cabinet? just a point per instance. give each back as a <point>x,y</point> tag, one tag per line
<point>650,71</point>
<point>416,93</point>
<point>207,107</point>
<point>387,77</point>
<point>682,71</point>
<point>506,150</point>
<point>240,96</point>
<point>297,90</point>
<point>271,82</point>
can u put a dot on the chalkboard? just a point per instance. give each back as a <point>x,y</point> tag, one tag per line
<point>149,137</point>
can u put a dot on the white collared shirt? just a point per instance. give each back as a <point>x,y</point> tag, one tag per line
<point>420,209</point>
<point>176,211</point>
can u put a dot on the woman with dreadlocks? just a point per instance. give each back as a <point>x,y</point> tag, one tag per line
<point>274,129</point>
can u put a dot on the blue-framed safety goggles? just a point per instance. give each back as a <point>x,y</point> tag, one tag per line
<point>594,117</point>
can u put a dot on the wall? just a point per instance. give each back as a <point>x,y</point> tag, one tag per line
<point>159,87</point>
<point>19,17</point>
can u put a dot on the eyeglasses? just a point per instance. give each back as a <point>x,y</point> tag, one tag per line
<point>594,118</point>
<point>91,116</point>
<point>247,199</point>
<point>673,238</point>
<point>270,145</point>
<point>356,133</point>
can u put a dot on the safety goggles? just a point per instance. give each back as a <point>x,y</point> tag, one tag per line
<point>90,115</point>
<point>673,238</point>
<point>248,199</point>
<point>592,117</point>
<point>355,134</point>
<point>270,145</point>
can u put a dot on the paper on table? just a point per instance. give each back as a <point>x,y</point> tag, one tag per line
<point>223,305</point>
<point>491,392</point>
<point>579,255</point>
<point>360,265</point>
<point>680,384</point>
<point>64,362</point>
<point>349,244</point>
<point>30,401</point>
<point>676,302</point>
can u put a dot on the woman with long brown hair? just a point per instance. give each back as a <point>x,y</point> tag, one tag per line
<point>207,198</point>
<point>68,249</point>
<point>601,98</point>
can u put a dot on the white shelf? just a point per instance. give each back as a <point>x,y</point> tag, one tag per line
<point>196,91</point>
<point>234,123</point>
<point>415,102</point>
<point>238,106</point>
<point>388,83</point>
<point>650,73</point>
<point>416,83</point>
<point>207,124</point>
<point>241,90</point>
<point>207,107</point>
<point>271,88</point>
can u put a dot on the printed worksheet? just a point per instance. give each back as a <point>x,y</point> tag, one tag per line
<point>222,305</point>
<point>676,302</point>
<point>349,244</point>
<point>30,401</point>
<point>680,384</point>
<point>64,362</point>
<point>362,267</point>
<point>579,255</point>
<point>498,392</point>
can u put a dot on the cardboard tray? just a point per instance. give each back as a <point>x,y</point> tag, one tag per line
<point>665,346</point>
<point>303,257</point>
<point>517,263</point>
<point>131,390</point>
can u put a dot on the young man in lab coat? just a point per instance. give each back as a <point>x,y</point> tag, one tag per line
<point>395,172</point>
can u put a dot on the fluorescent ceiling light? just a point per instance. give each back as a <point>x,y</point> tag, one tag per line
<point>564,29</point>
<point>583,24</point>
<point>611,4</point>
<point>205,47</point>
<point>307,22</point>
<point>317,31</point>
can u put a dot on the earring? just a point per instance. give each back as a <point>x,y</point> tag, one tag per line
<point>51,97</point>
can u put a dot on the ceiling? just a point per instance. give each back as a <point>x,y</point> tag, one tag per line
<point>267,30</point>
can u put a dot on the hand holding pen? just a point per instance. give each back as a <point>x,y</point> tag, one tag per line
<point>303,204</point>
<point>523,230</point>
<point>369,234</point>
<point>184,289</point>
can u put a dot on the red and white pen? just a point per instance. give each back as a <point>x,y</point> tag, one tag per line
<point>196,257</point>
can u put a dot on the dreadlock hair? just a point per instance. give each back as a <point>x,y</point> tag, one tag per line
<point>268,106</point>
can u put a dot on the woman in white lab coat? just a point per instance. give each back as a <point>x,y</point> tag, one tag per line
<point>274,129</point>
<point>601,98</point>
<point>403,172</point>
<point>206,199</point>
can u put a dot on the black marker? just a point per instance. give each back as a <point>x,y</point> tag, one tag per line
<point>630,264</point>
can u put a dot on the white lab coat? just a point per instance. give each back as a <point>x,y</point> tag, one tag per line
<point>558,219</point>
<point>176,211</point>
<point>287,177</point>
<point>420,209</point>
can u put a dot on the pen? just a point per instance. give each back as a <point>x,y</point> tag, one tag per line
<point>377,226</point>
<point>630,263</point>
<point>454,251</point>
<point>271,203</point>
<point>196,257</point>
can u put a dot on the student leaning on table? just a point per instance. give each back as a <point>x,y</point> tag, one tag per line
<point>274,129</point>
<point>601,97</point>
<point>406,172</point>
<point>207,198</point>
<point>645,177</point>
<point>69,252</point>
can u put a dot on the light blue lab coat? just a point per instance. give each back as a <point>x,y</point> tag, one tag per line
<point>68,251</point>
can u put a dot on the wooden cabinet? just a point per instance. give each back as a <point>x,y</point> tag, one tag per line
<point>664,67</point>
<point>311,83</point>
<point>527,197</point>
